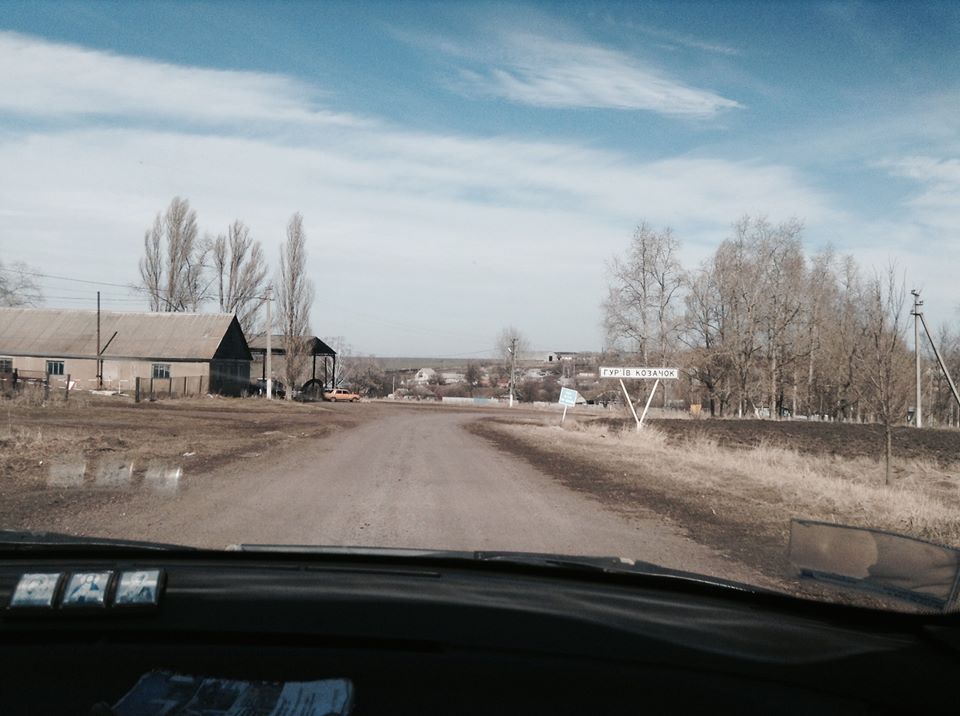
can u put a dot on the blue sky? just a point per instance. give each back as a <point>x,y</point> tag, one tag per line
<point>463,166</point>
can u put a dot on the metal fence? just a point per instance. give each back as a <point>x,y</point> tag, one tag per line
<point>179,387</point>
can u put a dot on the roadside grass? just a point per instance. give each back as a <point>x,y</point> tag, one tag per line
<point>763,487</point>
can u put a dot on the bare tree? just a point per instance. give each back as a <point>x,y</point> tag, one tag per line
<point>346,365</point>
<point>472,376</point>
<point>886,361</point>
<point>641,292</point>
<point>18,287</point>
<point>294,298</point>
<point>240,273</point>
<point>705,335</point>
<point>511,344</point>
<point>172,268</point>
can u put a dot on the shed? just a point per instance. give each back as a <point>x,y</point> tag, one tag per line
<point>316,347</point>
<point>208,348</point>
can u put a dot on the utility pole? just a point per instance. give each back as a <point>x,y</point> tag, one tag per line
<point>99,362</point>
<point>513,366</point>
<point>269,335</point>
<point>917,303</point>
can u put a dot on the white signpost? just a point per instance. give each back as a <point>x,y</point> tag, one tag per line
<point>656,374</point>
<point>568,398</point>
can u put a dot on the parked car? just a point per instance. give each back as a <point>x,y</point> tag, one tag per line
<point>260,388</point>
<point>339,395</point>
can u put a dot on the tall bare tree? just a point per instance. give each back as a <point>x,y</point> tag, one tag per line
<point>704,335</point>
<point>240,270</point>
<point>641,294</point>
<point>294,298</point>
<point>173,266</point>
<point>18,287</point>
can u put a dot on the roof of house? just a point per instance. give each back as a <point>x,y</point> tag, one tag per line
<point>258,344</point>
<point>63,333</point>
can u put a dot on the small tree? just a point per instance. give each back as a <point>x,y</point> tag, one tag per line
<point>886,359</point>
<point>511,344</point>
<point>472,376</point>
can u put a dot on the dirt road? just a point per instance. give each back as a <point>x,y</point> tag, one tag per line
<point>409,478</point>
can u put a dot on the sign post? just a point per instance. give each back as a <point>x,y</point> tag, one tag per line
<point>568,398</point>
<point>630,403</point>
<point>655,374</point>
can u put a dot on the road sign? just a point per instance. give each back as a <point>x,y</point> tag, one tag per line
<point>568,396</point>
<point>640,373</point>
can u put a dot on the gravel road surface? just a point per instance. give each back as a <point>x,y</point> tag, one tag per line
<point>409,478</point>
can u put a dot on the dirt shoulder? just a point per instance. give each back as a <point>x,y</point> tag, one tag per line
<point>94,433</point>
<point>706,517</point>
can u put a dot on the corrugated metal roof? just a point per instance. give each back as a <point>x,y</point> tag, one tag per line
<point>61,333</point>
<point>259,344</point>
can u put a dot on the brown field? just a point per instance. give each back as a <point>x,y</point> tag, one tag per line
<point>840,439</point>
<point>194,434</point>
<point>735,485</point>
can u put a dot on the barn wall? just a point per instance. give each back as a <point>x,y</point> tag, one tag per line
<point>117,375</point>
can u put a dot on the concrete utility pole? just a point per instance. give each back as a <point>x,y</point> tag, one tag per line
<point>513,366</point>
<point>269,335</point>
<point>940,362</point>
<point>917,303</point>
<point>99,362</point>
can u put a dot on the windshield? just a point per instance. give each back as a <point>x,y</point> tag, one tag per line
<point>667,282</point>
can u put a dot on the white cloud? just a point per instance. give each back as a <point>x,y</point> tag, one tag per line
<point>48,79</point>
<point>552,73</point>
<point>937,205</point>
<point>425,229</point>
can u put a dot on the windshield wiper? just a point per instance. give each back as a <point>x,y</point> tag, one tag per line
<point>569,564</point>
<point>27,540</point>
<point>606,565</point>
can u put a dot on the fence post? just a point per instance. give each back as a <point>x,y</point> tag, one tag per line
<point>152,396</point>
<point>46,388</point>
<point>136,389</point>
<point>184,386</point>
<point>66,391</point>
<point>170,387</point>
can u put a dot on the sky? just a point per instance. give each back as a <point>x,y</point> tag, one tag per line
<point>461,167</point>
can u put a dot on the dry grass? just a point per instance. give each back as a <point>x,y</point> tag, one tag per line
<point>214,430</point>
<point>770,482</point>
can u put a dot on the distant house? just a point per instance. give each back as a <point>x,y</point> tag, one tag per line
<point>425,376</point>
<point>208,348</point>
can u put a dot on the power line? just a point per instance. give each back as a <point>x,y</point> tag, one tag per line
<point>75,280</point>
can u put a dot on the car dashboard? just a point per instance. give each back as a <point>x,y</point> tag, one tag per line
<point>425,636</point>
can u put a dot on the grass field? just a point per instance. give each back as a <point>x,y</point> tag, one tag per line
<point>741,495</point>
